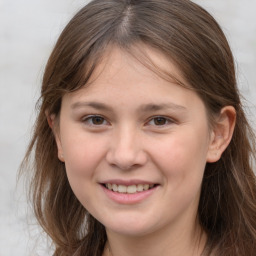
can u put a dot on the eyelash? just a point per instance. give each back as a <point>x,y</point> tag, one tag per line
<point>89,120</point>
<point>167,121</point>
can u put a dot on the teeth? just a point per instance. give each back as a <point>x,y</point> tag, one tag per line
<point>122,189</point>
<point>115,187</point>
<point>129,189</point>
<point>145,187</point>
<point>139,188</point>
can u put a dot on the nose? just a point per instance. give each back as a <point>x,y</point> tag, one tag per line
<point>126,149</point>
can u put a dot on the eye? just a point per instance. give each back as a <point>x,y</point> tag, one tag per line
<point>160,121</point>
<point>95,120</point>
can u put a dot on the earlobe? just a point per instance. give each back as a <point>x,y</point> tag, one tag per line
<point>51,119</point>
<point>61,156</point>
<point>59,147</point>
<point>221,134</point>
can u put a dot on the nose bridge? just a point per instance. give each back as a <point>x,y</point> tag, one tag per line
<point>126,149</point>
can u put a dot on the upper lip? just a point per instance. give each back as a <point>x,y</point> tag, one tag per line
<point>127,182</point>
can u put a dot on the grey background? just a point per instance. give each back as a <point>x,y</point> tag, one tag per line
<point>28,30</point>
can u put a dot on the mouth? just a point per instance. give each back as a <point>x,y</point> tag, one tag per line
<point>131,189</point>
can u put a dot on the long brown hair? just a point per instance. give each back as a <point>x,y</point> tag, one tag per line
<point>190,37</point>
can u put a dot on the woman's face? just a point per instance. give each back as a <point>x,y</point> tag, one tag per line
<point>135,146</point>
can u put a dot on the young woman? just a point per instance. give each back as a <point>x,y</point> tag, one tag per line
<point>141,146</point>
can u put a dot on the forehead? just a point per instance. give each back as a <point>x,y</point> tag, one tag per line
<point>124,80</point>
<point>140,58</point>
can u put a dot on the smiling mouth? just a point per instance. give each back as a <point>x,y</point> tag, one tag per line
<point>129,189</point>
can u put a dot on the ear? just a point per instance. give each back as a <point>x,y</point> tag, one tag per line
<point>51,119</point>
<point>221,134</point>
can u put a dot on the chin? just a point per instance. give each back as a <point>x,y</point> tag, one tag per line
<point>131,227</point>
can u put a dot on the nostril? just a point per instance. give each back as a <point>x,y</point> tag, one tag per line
<point>126,160</point>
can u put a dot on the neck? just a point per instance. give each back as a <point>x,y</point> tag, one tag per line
<point>181,242</point>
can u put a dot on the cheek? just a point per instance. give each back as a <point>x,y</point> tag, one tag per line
<point>182,155</point>
<point>82,159</point>
<point>182,162</point>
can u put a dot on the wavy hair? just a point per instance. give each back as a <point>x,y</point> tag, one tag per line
<point>190,37</point>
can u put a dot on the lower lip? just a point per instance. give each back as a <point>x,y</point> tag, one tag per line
<point>125,198</point>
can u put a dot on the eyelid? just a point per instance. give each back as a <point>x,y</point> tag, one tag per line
<point>85,119</point>
<point>168,119</point>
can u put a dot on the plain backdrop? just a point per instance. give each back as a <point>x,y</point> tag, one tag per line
<point>28,31</point>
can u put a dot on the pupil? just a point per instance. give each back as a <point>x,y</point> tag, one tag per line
<point>97,120</point>
<point>160,121</point>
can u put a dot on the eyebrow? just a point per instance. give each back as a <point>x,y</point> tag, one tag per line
<point>143,108</point>
<point>162,106</point>
<point>96,105</point>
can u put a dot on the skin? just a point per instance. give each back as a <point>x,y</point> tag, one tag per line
<point>148,129</point>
